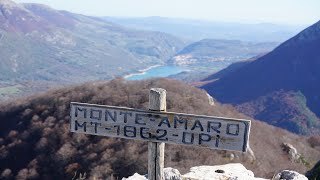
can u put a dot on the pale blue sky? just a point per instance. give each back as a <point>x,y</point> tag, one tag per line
<point>251,11</point>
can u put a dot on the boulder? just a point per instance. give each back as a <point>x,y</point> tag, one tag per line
<point>210,98</point>
<point>289,175</point>
<point>136,176</point>
<point>235,171</point>
<point>171,174</point>
<point>294,156</point>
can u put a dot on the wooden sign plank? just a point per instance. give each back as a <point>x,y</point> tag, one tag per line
<point>168,127</point>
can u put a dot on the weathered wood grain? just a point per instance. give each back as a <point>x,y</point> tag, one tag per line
<point>157,102</point>
<point>168,127</point>
<point>155,161</point>
<point>157,99</point>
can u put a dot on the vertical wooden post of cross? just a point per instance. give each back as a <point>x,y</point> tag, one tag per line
<point>157,102</point>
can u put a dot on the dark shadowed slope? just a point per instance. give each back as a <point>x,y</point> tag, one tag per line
<point>35,139</point>
<point>291,67</point>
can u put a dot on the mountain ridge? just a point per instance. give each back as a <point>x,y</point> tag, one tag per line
<point>41,45</point>
<point>292,66</point>
<point>200,29</point>
<point>207,51</point>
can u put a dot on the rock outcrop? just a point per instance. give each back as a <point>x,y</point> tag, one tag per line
<point>294,156</point>
<point>171,174</point>
<point>136,176</point>
<point>289,175</point>
<point>234,171</point>
<point>228,171</point>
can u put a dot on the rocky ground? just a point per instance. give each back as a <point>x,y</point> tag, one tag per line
<point>233,171</point>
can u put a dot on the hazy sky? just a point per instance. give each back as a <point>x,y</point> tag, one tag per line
<point>276,11</point>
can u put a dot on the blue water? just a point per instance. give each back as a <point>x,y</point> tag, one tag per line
<point>160,71</point>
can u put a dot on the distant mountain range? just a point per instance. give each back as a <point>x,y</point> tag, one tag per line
<point>281,87</point>
<point>41,47</point>
<point>204,57</point>
<point>200,29</point>
<point>40,43</point>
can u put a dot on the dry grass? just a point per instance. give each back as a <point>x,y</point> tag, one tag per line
<point>35,141</point>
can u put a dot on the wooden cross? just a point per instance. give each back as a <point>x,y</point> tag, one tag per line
<point>159,127</point>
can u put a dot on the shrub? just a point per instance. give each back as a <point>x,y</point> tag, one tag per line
<point>314,140</point>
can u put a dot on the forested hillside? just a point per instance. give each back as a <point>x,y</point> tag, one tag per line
<point>281,88</point>
<point>36,142</point>
<point>41,47</point>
